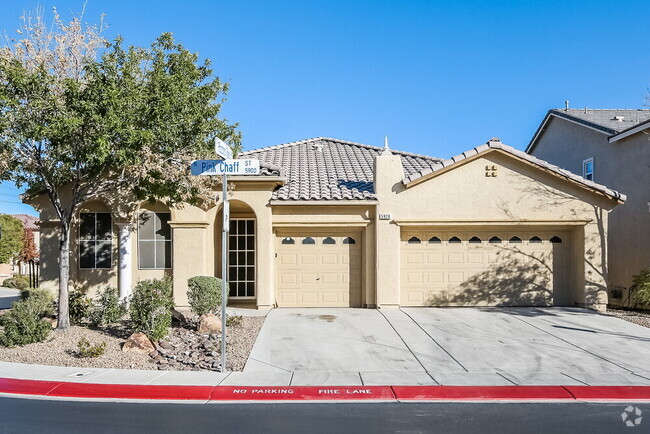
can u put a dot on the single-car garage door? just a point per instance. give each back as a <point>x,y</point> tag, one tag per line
<point>318,270</point>
<point>486,268</point>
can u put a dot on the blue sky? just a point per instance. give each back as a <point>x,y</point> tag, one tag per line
<point>436,77</point>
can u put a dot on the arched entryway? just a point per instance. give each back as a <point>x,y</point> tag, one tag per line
<point>242,252</point>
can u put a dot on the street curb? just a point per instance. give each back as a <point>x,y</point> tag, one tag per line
<point>216,394</point>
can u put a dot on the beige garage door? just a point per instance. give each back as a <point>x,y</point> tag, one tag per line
<point>486,268</point>
<point>319,270</point>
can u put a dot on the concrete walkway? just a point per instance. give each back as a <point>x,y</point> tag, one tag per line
<point>413,346</point>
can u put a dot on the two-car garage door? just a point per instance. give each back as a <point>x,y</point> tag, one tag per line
<point>488,268</point>
<point>318,269</point>
<point>465,267</point>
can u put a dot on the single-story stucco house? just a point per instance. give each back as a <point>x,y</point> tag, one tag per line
<point>339,224</point>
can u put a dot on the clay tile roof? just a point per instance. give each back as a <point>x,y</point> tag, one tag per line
<point>496,144</point>
<point>322,168</point>
<point>28,221</point>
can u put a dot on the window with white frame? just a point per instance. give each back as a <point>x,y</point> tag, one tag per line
<point>588,169</point>
<point>95,240</point>
<point>154,241</point>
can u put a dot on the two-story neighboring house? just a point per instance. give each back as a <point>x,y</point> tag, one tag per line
<point>610,147</point>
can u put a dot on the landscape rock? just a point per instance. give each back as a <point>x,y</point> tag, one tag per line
<point>139,342</point>
<point>209,324</point>
<point>179,317</point>
<point>166,345</point>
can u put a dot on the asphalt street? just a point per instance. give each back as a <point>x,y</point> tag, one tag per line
<point>20,415</point>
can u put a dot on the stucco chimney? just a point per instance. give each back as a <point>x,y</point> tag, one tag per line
<point>388,175</point>
<point>388,171</point>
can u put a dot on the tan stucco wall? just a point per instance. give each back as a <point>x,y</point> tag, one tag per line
<point>519,195</point>
<point>624,166</point>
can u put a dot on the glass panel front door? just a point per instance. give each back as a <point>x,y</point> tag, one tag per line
<point>241,258</point>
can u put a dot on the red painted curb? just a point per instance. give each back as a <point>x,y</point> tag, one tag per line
<point>610,393</point>
<point>481,393</point>
<point>324,393</point>
<point>27,387</point>
<point>132,391</point>
<point>301,393</point>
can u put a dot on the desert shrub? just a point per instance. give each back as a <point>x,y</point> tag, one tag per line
<point>79,306</point>
<point>233,320</point>
<point>86,349</point>
<point>642,283</point>
<point>41,299</point>
<point>204,294</point>
<point>151,307</point>
<point>17,282</point>
<point>24,323</point>
<point>107,308</point>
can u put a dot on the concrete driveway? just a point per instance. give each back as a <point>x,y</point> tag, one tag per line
<point>474,346</point>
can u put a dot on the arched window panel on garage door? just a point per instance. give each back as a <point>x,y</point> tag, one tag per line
<point>495,240</point>
<point>241,258</point>
<point>515,240</point>
<point>329,240</point>
<point>308,240</point>
<point>434,240</point>
<point>454,240</point>
<point>475,240</point>
<point>349,240</point>
<point>535,240</point>
<point>556,240</point>
<point>414,240</point>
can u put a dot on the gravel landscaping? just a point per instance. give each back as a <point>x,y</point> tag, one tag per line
<point>641,318</point>
<point>186,349</point>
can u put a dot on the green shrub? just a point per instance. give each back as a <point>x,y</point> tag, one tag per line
<point>24,323</point>
<point>642,283</point>
<point>204,294</point>
<point>151,307</point>
<point>17,282</point>
<point>86,349</point>
<point>79,306</point>
<point>42,298</point>
<point>107,307</point>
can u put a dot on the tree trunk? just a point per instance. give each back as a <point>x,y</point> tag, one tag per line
<point>64,276</point>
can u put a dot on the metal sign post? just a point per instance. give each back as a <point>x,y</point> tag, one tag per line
<point>224,268</point>
<point>225,167</point>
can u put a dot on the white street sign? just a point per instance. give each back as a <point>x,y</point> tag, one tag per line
<point>226,167</point>
<point>222,149</point>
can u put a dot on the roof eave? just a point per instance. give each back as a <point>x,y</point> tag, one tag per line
<point>568,118</point>
<point>528,159</point>
<point>629,132</point>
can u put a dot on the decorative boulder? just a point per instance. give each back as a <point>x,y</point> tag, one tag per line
<point>139,342</point>
<point>179,317</point>
<point>209,324</point>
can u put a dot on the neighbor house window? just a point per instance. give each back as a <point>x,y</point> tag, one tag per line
<point>588,169</point>
<point>95,240</point>
<point>154,240</point>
